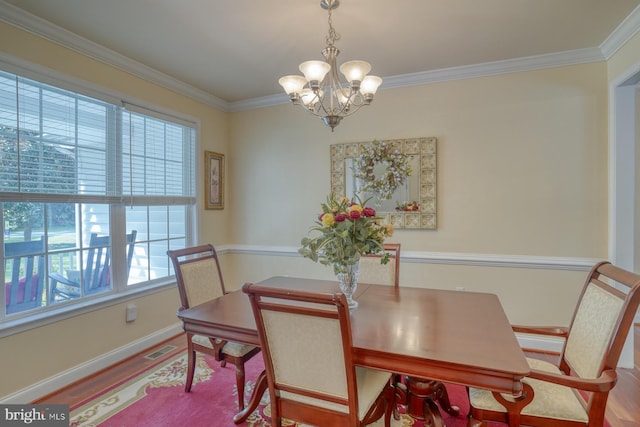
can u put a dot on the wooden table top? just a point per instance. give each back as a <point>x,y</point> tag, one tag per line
<point>459,337</point>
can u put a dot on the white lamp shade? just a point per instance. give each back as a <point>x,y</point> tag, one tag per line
<point>309,98</point>
<point>342,95</point>
<point>292,84</point>
<point>314,70</point>
<point>355,70</point>
<point>370,85</point>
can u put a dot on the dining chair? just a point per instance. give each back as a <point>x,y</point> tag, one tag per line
<point>374,272</point>
<point>572,392</point>
<point>97,270</point>
<point>199,279</point>
<point>27,269</point>
<point>306,342</point>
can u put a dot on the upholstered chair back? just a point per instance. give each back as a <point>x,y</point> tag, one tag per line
<point>593,326</point>
<point>198,275</point>
<point>374,272</point>
<point>313,361</point>
<point>200,281</point>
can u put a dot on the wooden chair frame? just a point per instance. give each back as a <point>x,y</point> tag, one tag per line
<point>216,349</point>
<point>331,306</point>
<point>592,393</point>
<point>97,270</point>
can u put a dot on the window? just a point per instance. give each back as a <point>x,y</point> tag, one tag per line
<point>92,195</point>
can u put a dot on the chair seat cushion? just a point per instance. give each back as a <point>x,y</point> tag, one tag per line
<point>370,383</point>
<point>549,401</point>
<point>230,348</point>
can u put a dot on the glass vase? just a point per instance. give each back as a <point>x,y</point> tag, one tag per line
<point>348,282</point>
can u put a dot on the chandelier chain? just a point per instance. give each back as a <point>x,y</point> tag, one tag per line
<point>332,36</point>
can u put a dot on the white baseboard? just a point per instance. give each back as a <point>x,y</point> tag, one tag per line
<point>51,384</point>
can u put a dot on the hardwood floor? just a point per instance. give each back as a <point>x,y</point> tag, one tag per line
<point>623,407</point>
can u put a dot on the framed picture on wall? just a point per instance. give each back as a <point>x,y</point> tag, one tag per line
<point>214,180</point>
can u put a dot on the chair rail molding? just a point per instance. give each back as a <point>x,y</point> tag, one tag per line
<point>451,258</point>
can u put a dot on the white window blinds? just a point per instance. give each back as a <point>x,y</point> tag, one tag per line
<point>53,141</point>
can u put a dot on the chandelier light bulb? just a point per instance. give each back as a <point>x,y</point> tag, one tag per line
<point>343,95</point>
<point>370,85</point>
<point>309,98</point>
<point>314,71</point>
<point>292,84</point>
<point>354,71</point>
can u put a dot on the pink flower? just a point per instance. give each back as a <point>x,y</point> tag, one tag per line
<point>340,217</point>
<point>355,214</point>
<point>369,212</point>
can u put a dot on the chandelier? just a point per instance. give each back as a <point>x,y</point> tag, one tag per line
<point>321,92</point>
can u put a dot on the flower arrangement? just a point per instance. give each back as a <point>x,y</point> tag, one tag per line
<point>396,164</point>
<point>408,206</point>
<point>348,229</point>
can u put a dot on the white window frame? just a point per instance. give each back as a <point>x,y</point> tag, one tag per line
<point>121,291</point>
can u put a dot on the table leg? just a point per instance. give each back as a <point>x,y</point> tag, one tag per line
<point>256,396</point>
<point>420,397</point>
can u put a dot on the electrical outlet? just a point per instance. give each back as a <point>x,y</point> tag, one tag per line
<point>460,288</point>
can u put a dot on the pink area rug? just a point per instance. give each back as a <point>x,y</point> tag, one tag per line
<point>156,397</point>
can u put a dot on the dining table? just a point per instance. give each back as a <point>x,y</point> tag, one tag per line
<point>448,336</point>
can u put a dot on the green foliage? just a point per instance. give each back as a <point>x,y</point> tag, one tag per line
<point>30,164</point>
<point>396,169</point>
<point>347,229</point>
<point>23,214</point>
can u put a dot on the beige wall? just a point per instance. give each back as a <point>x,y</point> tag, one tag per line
<point>522,172</point>
<point>522,163</point>
<point>40,353</point>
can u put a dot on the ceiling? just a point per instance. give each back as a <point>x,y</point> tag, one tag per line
<point>236,50</point>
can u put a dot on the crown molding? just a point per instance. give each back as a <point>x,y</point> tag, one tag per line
<point>19,18</point>
<point>551,60</point>
<point>265,101</point>
<point>623,32</point>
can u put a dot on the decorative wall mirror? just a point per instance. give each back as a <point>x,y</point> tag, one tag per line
<point>420,186</point>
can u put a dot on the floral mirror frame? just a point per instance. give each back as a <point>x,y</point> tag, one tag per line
<point>425,150</point>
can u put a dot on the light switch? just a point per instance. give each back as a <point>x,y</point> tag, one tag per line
<point>132,312</point>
